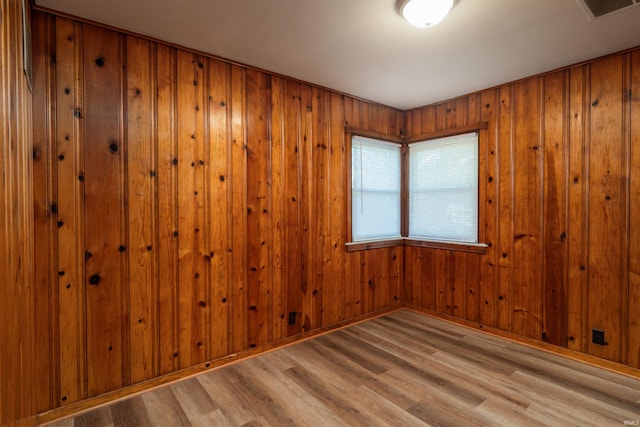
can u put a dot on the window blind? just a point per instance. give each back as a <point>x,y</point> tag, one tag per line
<point>375,189</point>
<point>443,189</point>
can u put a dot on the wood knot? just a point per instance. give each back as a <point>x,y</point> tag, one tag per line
<point>94,280</point>
<point>100,62</point>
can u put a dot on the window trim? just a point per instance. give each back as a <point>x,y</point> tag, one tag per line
<point>479,247</point>
<point>351,132</point>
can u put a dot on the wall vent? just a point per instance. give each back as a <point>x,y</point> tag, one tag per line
<point>597,8</point>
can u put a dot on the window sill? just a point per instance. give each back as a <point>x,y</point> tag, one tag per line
<point>478,248</point>
<point>374,244</point>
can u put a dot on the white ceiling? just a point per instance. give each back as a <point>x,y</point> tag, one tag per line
<point>364,48</point>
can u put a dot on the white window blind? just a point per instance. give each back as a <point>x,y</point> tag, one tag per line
<point>443,189</point>
<point>375,189</point>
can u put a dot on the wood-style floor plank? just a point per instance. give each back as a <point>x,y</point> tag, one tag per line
<point>403,368</point>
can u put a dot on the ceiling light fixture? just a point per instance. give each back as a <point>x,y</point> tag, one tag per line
<point>424,13</point>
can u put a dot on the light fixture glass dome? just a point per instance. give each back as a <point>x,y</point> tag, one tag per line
<point>425,13</point>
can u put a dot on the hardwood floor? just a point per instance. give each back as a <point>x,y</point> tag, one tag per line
<point>403,368</point>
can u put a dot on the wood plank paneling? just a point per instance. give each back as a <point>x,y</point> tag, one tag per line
<point>559,217</point>
<point>70,217</point>
<point>307,209</point>
<point>525,257</point>
<point>238,163</point>
<point>554,191</point>
<point>167,158</point>
<point>634,210</point>
<point>259,264</point>
<point>277,205</point>
<point>577,290</point>
<point>203,202</point>
<point>101,179</point>
<point>489,262</point>
<point>505,173</point>
<point>335,299</point>
<point>293,198</point>
<point>606,203</point>
<point>17,292</point>
<point>219,206</point>
<point>193,296</point>
<point>45,296</point>
<point>141,213</point>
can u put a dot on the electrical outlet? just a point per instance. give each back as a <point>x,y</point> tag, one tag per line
<point>597,337</point>
<point>292,317</point>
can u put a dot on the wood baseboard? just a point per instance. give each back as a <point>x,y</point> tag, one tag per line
<point>75,408</point>
<point>123,393</point>
<point>551,348</point>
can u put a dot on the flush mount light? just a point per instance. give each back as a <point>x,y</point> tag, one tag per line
<point>424,13</point>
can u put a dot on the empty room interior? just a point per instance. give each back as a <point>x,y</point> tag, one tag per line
<point>329,212</point>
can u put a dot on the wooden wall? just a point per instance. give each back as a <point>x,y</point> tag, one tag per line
<point>16,227</point>
<point>184,206</point>
<point>560,195</point>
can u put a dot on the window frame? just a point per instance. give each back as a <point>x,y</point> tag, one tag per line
<point>376,243</point>
<point>479,247</point>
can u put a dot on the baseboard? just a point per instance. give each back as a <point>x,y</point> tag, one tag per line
<point>88,404</point>
<point>550,348</point>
